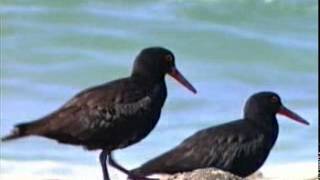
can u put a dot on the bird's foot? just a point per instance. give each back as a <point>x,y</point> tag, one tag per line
<point>136,177</point>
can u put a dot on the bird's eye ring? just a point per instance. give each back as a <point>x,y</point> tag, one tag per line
<point>274,99</point>
<point>168,58</point>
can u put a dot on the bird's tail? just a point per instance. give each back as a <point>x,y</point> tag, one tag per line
<point>20,130</point>
<point>151,167</point>
<point>158,165</point>
<point>139,171</point>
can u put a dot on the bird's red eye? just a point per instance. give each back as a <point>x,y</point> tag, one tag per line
<point>168,58</point>
<point>274,99</point>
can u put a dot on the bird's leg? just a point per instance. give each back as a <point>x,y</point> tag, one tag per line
<point>131,176</point>
<point>114,164</point>
<point>103,161</point>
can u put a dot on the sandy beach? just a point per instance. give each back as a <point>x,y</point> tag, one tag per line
<point>48,170</point>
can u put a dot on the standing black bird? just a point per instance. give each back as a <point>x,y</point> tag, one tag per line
<point>113,115</point>
<point>240,147</point>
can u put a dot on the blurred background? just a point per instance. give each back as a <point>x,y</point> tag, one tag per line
<point>228,49</point>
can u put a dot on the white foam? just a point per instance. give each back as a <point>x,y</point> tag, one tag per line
<point>292,171</point>
<point>39,170</point>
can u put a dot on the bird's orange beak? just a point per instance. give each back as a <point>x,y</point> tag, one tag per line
<point>180,78</point>
<point>292,115</point>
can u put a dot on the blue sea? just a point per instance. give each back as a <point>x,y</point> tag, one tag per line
<point>228,49</point>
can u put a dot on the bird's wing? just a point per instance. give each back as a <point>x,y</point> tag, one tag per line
<point>229,149</point>
<point>99,107</point>
<point>211,147</point>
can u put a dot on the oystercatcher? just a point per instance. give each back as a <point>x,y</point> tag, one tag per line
<point>113,115</point>
<point>240,147</point>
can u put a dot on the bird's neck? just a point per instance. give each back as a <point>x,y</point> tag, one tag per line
<point>267,123</point>
<point>147,78</point>
<point>155,89</point>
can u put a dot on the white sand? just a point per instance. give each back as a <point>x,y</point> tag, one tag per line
<point>46,170</point>
<point>292,171</point>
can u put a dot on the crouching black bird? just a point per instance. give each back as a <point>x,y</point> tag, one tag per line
<point>113,115</point>
<point>240,147</point>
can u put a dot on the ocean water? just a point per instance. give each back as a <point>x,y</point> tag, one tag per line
<point>229,50</point>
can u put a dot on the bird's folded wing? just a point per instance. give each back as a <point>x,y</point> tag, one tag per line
<point>203,149</point>
<point>83,115</point>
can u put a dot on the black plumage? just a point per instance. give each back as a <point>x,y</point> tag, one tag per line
<point>113,115</point>
<point>240,147</point>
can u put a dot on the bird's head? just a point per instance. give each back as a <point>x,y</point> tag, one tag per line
<point>268,104</point>
<point>154,63</point>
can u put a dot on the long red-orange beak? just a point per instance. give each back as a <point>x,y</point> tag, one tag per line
<point>292,115</point>
<point>179,77</point>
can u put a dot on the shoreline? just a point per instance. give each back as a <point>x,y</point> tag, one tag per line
<point>50,170</point>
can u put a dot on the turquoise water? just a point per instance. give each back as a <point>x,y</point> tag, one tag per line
<point>229,50</point>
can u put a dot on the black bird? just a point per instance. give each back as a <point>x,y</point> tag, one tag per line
<point>240,147</point>
<point>113,115</point>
